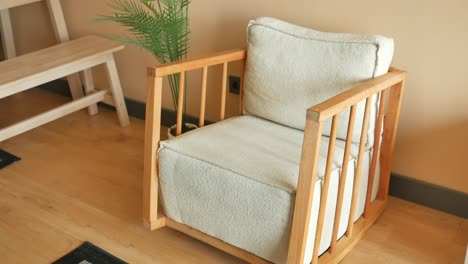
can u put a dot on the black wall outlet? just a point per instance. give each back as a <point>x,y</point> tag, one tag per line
<point>234,84</point>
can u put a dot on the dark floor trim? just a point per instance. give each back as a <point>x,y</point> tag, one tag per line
<point>406,188</point>
<point>429,195</point>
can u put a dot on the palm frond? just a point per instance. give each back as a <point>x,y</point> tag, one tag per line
<point>160,27</point>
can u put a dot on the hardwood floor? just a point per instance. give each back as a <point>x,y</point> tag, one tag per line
<point>80,179</point>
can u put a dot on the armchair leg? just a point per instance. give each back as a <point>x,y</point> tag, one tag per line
<point>388,141</point>
<point>305,192</point>
<point>152,138</point>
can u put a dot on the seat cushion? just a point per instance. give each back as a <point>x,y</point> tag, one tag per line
<point>236,180</point>
<point>290,68</point>
<point>255,148</point>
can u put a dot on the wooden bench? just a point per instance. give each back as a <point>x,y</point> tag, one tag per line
<point>33,69</point>
<point>63,60</point>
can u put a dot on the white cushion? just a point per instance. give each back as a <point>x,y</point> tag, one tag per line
<point>290,68</point>
<point>236,180</point>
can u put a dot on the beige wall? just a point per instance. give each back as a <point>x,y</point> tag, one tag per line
<point>431,43</point>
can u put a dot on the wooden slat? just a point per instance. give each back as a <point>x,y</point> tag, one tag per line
<point>223,92</point>
<point>108,99</point>
<point>201,122</point>
<point>180,103</point>
<point>196,63</point>
<point>210,240</point>
<point>388,142</point>
<point>357,173</point>
<point>5,4</point>
<point>326,186</point>
<point>241,91</point>
<point>8,39</point>
<point>346,244</point>
<point>354,95</point>
<point>28,71</point>
<point>50,115</point>
<point>152,139</point>
<point>305,190</point>
<point>375,153</point>
<point>343,176</point>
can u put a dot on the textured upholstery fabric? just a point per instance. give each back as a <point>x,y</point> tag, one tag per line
<point>236,180</point>
<point>291,68</point>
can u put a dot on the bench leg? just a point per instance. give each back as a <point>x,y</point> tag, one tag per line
<point>74,83</point>
<point>61,34</point>
<point>117,91</point>
<point>7,34</point>
<point>89,87</point>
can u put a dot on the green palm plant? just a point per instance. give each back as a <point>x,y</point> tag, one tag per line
<point>160,27</point>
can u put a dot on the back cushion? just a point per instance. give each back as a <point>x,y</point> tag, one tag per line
<point>290,68</point>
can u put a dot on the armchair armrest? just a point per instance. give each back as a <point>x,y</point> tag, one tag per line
<point>198,62</point>
<point>391,82</point>
<point>153,119</point>
<point>182,66</point>
<point>344,100</point>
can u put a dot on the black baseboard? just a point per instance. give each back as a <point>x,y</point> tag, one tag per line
<point>402,187</point>
<point>430,195</point>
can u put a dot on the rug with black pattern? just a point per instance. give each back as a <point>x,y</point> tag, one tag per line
<point>89,254</point>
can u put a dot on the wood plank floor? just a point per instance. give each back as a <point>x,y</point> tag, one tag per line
<point>80,179</point>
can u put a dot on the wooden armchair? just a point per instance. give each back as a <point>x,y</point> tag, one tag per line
<point>314,205</point>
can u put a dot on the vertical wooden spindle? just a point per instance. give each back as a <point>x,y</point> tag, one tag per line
<point>357,172</point>
<point>223,92</point>
<point>326,185</point>
<point>375,153</point>
<point>342,180</point>
<point>152,138</point>
<point>388,141</point>
<point>241,87</point>
<point>201,123</point>
<point>305,189</point>
<point>180,103</point>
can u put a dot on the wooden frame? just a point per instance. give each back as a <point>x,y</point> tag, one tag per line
<point>389,86</point>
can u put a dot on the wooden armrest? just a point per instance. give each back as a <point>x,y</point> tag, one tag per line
<point>196,63</point>
<point>153,118</point>
<point>391,85</point>
<point>344,100</point>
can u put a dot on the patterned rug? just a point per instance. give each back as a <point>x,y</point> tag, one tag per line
<point>89,254</point>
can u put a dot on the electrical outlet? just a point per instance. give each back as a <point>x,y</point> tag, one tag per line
<point>234,84</point>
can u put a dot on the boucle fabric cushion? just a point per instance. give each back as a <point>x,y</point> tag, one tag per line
<point>236,180</point>
<point>290,68</point>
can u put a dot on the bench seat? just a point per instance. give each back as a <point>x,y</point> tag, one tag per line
<point>36,68</point>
